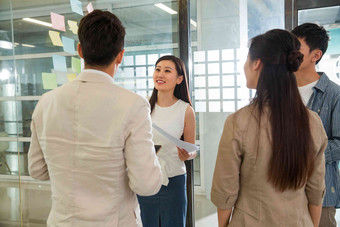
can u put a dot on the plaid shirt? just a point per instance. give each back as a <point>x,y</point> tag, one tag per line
<point>325,101</point>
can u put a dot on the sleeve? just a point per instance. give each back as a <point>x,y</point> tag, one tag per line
<point>37,166</point>
<point>332,152</point>
<point>144,171</point>
<point>225,185</point>
<point>315,186</point>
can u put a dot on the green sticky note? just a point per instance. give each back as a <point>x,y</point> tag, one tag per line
<point>49,80</point>
<point>76,64</point>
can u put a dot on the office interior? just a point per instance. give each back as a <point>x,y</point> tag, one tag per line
<point>211,36</point>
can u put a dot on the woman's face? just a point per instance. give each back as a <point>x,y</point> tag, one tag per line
<point>165,76</point>
<point>252,72</point>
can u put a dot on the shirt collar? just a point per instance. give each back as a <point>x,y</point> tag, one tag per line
<point>322,83</point>
<point>95,76</point>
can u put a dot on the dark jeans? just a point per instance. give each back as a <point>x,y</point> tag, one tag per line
<point>168,207</point>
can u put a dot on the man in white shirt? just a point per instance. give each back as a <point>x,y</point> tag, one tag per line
<point>92,139</point>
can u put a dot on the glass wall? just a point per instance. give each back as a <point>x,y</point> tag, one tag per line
<point>219,50</point>
<point>37,57</point>
<point>38,53</point>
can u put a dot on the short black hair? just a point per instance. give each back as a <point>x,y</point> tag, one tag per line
<point>315,36</point>
<point>101,36</point>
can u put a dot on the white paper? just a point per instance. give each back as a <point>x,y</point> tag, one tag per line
<point>189,147</point>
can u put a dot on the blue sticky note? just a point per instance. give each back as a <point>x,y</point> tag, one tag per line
<point>59,63</point>
<point>77,7</point>
<point>68,45</point>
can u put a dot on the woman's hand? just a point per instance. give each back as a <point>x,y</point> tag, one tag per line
<point>183,155</point>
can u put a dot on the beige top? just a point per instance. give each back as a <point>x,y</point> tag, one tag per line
<point>240,177</point>
<point>93,140</point>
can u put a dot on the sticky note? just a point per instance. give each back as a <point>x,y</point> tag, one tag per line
<point>59,63</point>
<point>89,7</point>
<point>68,45</point>
<point>55,38</point>
<point>76,65</point>
<point>76,7</point>
<point>71,76</point>
<point>73,26</point>
<point>58,21</point>
<point>49,80</point>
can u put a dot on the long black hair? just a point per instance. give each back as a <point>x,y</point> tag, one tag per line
<point>181,90</point>
<point>291,161</point>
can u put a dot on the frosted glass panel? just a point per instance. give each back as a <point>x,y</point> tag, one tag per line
<point>214,94</point>
<point>199,69</point>
<point>228,67</point>
<point>228,93</point>
<point>228,106</point>
<point>228,54</point>
<point>213,68</point>
<point>200,107</point>
<point>228,80</point>
<point>214,107</point>
<point>140,60</point>
<point>152,58</point>
<point>200,94</point>
<point>214,81</point>
<point>199,56</point>
<point>213,55</point>
<point>140,71</point>
<point>128,60</point>
<point>200,81</point>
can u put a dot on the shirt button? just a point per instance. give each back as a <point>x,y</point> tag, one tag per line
<point>318,110</point>
<point>333,189</point>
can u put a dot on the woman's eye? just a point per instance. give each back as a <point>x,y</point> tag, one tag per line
<point>158,70</point>
<point>167,71</point>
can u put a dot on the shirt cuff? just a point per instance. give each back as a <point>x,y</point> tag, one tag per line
<point>223,201</point>
<point>315,198</point>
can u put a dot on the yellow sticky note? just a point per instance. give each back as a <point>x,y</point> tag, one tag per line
<point>73,26</point>
<point>71,76</point>
<point>55,38</point>
<point>76,65</point>
<point>49,80</point>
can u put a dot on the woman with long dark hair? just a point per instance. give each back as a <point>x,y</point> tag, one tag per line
<point>171,110</point>
<point>270,164</point>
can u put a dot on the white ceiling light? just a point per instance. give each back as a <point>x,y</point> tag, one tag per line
<point>4,74</point>
<point>165,8</point>
<point>6,45</point>
<point>37,22</point>
<point>27,45</point>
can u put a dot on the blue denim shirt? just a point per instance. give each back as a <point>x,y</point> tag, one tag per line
<point>325,101</point>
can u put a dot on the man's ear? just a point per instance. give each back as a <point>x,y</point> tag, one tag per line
<point>80,52</point>
<point>316,55</point>
<point>120,56</point>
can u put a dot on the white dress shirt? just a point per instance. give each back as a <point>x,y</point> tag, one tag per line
<point>93,140</point>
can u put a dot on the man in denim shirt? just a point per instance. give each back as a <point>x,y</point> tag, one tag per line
<point>322,96</point>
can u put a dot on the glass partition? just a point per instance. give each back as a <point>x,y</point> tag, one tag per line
<point>37,56</point>
<point>219,50</point>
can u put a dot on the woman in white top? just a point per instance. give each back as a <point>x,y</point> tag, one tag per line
<point>170,110</point>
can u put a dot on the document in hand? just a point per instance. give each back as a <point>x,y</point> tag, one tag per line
<point>189,147</point>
